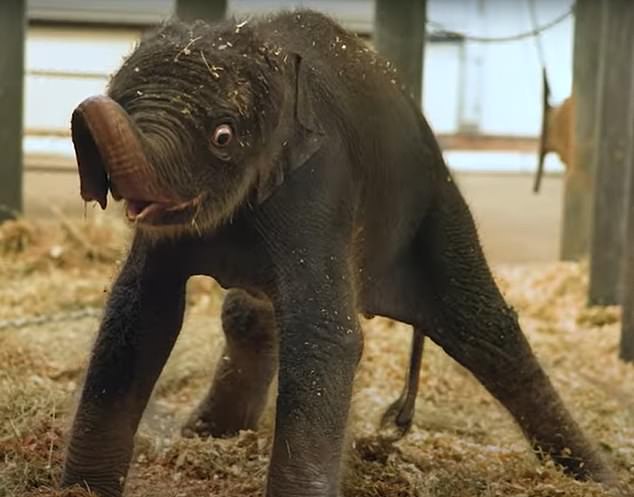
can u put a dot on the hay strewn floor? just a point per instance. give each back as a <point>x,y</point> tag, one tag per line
<point>463,444</point>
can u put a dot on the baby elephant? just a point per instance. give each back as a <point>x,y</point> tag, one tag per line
<point>282,157</point>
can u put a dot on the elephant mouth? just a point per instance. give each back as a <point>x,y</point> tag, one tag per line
<point>111,158</point>
<point>160,213</point>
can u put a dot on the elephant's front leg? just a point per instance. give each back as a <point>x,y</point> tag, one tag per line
<point>320,346</point>
<point>142,320</point>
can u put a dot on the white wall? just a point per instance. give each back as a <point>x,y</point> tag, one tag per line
<point>501,87</point>
<point>64,66</point>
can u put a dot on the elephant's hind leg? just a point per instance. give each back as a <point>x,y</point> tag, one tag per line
<point>473,323</point>
<point>246,367</point>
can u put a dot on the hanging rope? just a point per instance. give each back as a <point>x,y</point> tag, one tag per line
<point>537,30</point>
<point>532,8</point>
<point>539,172</point>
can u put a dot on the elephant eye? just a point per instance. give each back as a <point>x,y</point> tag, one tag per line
<point>222,136</point>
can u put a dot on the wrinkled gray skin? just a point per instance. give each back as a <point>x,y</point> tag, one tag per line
<point>327,197</point>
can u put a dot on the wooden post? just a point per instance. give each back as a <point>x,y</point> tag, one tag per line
<point>12,32</point>
<point>627,326</point>
<point>399,35</point>
<point>579,184</point>
<point>207,10</point>
<point>613,139</point>
<point>626,349</point>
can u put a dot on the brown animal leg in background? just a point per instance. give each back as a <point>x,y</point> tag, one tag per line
<point>245,369</point>
<point>400,413</point>
<point>477,328</point>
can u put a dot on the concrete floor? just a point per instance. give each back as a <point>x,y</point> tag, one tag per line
<point>515,225</point>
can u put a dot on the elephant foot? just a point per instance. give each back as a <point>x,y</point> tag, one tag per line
<point>196,426</point>
<point>210,420</point>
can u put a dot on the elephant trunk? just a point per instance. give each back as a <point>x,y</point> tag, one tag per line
<point>110,155</point>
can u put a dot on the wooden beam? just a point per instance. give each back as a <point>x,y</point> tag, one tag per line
<point>207,10</point>
<point>12,32</point>
<point>484,142</point>
<point>579,185</point>
<point>399,35</point>
<point>613,139</point>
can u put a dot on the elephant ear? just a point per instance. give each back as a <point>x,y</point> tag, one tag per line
<point>302,132</point>
<point>309,128</point>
